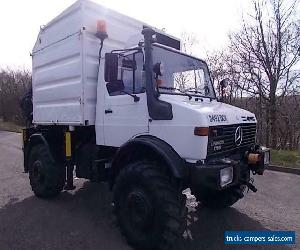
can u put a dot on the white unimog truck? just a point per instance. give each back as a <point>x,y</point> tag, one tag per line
<point>117,101</point>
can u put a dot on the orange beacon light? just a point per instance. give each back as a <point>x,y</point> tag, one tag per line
<point>101,30</point>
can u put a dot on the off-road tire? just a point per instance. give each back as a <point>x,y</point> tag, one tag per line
<point>47,177</point>
<point>219,199</point>
<point>165,222</point>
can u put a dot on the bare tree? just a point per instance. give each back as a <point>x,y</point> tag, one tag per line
<point>188,43</point>
<point>267,49</point>
<point>13,84</point>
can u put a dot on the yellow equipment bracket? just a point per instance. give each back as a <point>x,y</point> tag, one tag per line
<point>68,144</point>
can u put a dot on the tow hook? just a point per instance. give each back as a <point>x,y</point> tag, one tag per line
<point>250,185</point>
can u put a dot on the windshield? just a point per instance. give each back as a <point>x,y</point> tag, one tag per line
<point>182,73</point>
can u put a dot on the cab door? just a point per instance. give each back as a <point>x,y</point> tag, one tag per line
<point>124,116</point>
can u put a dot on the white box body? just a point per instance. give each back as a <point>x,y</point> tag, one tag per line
<point>65,62</point>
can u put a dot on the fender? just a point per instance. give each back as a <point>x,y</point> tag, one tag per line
<point>144,147</point>
<point>35,139</point>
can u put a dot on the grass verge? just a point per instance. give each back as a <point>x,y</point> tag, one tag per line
<point>10,126</point>
<point>285,158</point>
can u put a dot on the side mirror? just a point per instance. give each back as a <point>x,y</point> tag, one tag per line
<point>115,86</point>
<point>224,83</point>
<point>111,67</point>
<point>158,69</point>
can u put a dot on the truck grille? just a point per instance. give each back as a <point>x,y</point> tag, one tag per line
<point>222,139</point>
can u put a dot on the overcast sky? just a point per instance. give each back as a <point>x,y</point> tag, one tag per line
<point>209,20</point>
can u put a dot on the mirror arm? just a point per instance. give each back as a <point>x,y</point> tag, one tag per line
<point>135,97</point>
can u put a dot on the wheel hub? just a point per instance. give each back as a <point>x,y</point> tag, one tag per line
<point>139,209</point>
<point>37,172</point>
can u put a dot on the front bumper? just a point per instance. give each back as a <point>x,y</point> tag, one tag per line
<point>209,175</point>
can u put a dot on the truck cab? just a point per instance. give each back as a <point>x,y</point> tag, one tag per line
<point>143,117</point>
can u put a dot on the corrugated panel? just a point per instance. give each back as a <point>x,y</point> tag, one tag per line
<point>57,82</point>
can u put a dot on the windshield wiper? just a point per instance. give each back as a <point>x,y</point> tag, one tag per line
<point>198,92</point>
<point>171,88</point>
<point>195,90</point>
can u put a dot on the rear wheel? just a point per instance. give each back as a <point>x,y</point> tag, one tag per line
<point>47,177</point>
<point>150,208</point>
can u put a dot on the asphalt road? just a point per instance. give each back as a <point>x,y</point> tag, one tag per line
<point>82,219</point>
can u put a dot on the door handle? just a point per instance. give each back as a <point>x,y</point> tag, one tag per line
<point>108,111</point>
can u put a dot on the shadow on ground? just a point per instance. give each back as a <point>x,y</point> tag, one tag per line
<point>84,220</point>
<point>207,227</point>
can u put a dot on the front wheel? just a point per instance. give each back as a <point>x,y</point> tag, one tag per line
<point>149,207</point>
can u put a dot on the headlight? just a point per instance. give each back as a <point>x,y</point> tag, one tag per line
<point>226,176</point>
<point>266,154</point>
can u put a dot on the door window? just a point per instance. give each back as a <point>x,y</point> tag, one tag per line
<point>130,74</point>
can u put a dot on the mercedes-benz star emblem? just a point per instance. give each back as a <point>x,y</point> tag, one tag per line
<point>238,136</point>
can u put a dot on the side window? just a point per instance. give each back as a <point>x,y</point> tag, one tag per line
<point>130,74</point>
